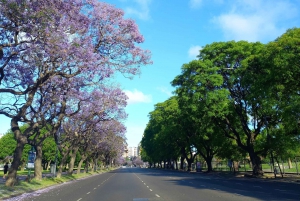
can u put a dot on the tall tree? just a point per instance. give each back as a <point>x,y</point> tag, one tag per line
<point>217,80</point>
<point>87,40</point>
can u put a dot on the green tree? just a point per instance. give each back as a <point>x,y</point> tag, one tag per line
<point>217,80</point>
<point>279,77</point>
<point>160,139</point>
<point>7,145</point>
<point>49,150</point>
<point>199,111</point>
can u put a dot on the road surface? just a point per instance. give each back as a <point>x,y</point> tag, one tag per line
<point>139,184</point>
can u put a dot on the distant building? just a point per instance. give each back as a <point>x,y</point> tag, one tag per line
<point>132,151</point>
<point>125,154</point>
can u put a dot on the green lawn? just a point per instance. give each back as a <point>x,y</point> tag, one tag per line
<point>266,167</point>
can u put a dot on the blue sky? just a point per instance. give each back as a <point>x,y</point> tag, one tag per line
<point>175,31</point>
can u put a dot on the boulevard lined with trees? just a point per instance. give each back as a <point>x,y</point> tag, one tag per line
<point>238,100</point>
<point>57,60</point>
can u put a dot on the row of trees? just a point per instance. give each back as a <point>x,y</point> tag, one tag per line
<point>239,99</point>
<point>70,151</point>
<point>56,62</point>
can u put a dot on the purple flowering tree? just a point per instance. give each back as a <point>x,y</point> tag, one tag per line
<point>90,125</point>
<point>77,43</point>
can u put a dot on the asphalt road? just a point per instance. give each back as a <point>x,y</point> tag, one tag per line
<point>138,184</point>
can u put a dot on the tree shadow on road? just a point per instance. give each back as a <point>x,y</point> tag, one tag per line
<point>226,183</point>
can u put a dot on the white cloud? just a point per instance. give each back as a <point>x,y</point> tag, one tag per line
<point>195,3</point>
<point>136,96</point>
<point>255,20</point>
<point>194,51</point>
<point>142,11</point>
<point>165,90</point>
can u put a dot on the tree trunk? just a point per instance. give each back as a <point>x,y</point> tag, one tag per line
<point>189,161</point>
<point>290,163</point>
<point>38,163</point>
<point>181,162</point>
<point>235,165</point>
<point>92,166</point>
<point>22,165</point>
<point>83,157</point>
<point>62,163</point>
<point>48,165</point>
<point>86,167</point>
<point>208,162</point>
<point>12,173</point>
<point>256,163</point>
<point>72,160</point>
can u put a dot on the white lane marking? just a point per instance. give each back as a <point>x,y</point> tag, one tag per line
<point>279,190</point>
<point>95,188</point>
<point>157,195</point>
<point>79,199</point>
<point>144,183</point>
<point>147,186</point>
<point>88,192</point>
<point>150,189</point>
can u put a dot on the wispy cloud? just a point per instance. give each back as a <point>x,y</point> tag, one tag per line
<point>141,9</point>
<point>136,96</point>
<point>256,20</point>
<point>165,90</point>
<point>195,3</point>
<point>194,51</point>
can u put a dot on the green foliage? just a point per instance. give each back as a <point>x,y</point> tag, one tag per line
<point>248,92</point>
<point>7,145</point>
<point>49,149</point>
<point>160,139</point>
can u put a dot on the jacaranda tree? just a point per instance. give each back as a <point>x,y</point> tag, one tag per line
<point>75,42</point>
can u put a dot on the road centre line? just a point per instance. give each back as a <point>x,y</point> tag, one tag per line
<point>157,195</point>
